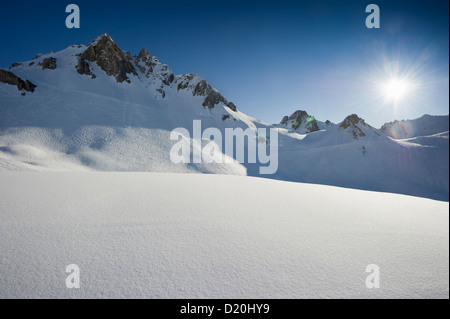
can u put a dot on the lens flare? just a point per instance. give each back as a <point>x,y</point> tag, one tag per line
<point>396,89</point>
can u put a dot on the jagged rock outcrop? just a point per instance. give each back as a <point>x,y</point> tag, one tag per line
<point>184,81</point>
<point>10,78</point>
<point>353,124</point>
<point>301,119</point>
<point>200,87</point>
<point>232,106</point>
<point>151,67</point>
<point>352,120</point>
<point>15,65</point>
<point>147,60</point>
<point>212,96</point>
<point>105,54</point>
<point>48,64</point>
<point>109,57</point>
<point>162,92</point>
<point>84,68</point>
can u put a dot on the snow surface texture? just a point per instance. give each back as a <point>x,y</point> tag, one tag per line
<point>425,125</point>
<point>73,122</point>
<point>152,235</point>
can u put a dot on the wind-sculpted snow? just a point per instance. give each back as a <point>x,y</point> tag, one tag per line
<point>150,235</point>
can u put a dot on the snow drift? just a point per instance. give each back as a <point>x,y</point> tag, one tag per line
<point>150,235</point>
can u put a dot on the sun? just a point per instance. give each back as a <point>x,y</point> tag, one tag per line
<point>395,89</point>
<point>392,84</point>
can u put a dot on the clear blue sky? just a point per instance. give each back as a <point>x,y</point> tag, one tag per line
<point>269,57</point>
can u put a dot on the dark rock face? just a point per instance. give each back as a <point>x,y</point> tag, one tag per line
<point>161,91</point>
<point>352,122</point>
<point>109,57</point>
<point>144,55</point>
<point>171,78</point>
<point>151,67</point>
<point>84,68</point>
<point>314,127</point>
<point>202,88</point>
<point>212,96</point>
<point>301,118</point>
<point>232,106</point>
<point>145,58</point>
<point>15,65</point>
<point>11,78</point>
<point>212,99</point>
<point>185,81</point>
<point>48,64</point>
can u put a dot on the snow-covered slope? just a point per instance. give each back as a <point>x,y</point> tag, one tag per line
<point>99,117</point>
<point>150,235</point>
<point>97,108</point>
<point>423,126</point>
<point>354,154</point>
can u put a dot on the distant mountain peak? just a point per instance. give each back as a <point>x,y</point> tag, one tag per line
<point>103,55</point>
<point>357,127</point>
<point>143,54</point>
<point>301,120</point>
<point>105,37</point>
<point>423,126</point>
<point>352,120</point>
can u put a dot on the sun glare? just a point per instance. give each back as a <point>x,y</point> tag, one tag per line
<point>396,85</point>
<point>396,89</point>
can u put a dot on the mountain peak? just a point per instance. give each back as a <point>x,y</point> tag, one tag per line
<point>143,54</point>
<point>301,119</point>
<point>357,127</point>
<point>103,55</point>
<point>352,120</point>
<point>102,38</point>
<point>108,56</point>
<point>423,126</point>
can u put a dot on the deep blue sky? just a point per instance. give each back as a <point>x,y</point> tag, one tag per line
<point>269,57</point>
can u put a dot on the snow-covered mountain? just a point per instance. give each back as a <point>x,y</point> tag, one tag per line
<point>301,122</point>
<point>97,107</point>
<point>423,126</point>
